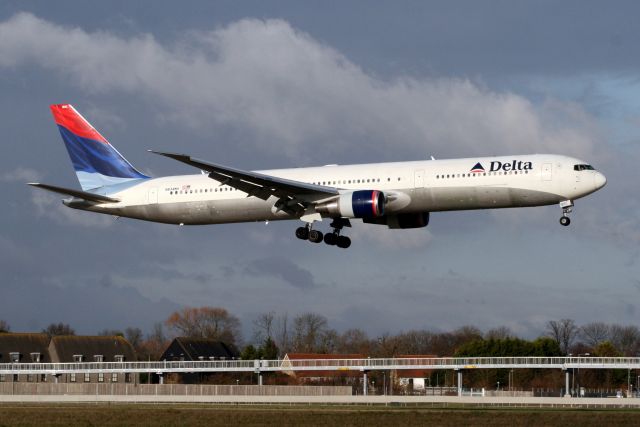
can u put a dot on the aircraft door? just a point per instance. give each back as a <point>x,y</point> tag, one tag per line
<point>546,172</point>
<point>153,195</point>
<point>418,179</point>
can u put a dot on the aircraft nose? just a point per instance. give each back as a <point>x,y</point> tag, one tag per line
<point>599,180</point>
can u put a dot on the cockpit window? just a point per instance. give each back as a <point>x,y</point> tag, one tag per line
<point>583,168</point>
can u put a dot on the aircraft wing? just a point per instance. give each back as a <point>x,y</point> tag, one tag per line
<point>92,197</point>
<point>294,196</point>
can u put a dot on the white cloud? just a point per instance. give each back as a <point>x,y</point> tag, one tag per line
<point>50,206</point>
<point>20,174</point>
<point>290,93</point>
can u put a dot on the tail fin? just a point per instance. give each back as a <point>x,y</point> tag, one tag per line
<point>96,162</point>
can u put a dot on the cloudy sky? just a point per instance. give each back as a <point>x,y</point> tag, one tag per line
<point>261,85</point>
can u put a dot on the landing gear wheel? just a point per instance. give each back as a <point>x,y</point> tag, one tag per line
<point>567,208</point>
<point>302,233</point>
<point>343,242</point>
<point>315,236</point>
<point>331,239</point>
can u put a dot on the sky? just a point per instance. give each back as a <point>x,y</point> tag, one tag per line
<point>276,84</point>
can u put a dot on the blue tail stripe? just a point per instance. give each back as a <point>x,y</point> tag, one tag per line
<point>92,156</point>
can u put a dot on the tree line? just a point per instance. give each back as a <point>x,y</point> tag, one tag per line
<point>276,334</point>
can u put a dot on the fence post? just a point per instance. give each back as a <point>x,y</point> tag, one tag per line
<point>364,383</point>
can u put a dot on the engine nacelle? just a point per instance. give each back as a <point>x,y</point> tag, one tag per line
<point>357,204</point>
<point>403,221</point>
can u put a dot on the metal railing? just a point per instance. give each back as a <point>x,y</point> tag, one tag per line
<point>286,365</point>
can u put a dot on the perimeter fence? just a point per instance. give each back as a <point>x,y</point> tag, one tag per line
<point>104,389</point>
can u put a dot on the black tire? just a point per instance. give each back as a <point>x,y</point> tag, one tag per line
<point>315,236</point>
<point>302,233</point>
<point>565,221</point>
<point>331,239</point>
<point>343,242</point>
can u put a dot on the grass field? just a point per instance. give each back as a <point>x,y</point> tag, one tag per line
<point>210,415</point>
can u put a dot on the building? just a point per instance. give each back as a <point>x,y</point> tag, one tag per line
<point>74,348</point>
<point>321,376</point>
<point>194,349</point>
<point>24,348</point>
<point>40,348</point>
<point>185,348</point>
<point>412,380</point>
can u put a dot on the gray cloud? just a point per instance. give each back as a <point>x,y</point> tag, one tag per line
<point>283,269</point>
<point>297,91</point>
<point>85,308</point>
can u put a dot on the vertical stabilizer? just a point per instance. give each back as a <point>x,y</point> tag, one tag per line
<point>96,162</point>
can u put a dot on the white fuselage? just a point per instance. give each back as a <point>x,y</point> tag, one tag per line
<point>418,186</point>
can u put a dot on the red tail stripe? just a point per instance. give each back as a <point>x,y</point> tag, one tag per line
<point>65,115</point>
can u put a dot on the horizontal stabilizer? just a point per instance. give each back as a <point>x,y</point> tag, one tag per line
<point>92,197</point>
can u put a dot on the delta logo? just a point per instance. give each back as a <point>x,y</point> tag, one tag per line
<point>514,165</point>
<point>477,168</point>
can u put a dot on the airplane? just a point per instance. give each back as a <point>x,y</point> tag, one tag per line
<point>399,195</point>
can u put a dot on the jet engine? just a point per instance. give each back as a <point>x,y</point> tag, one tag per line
<point>403,221</point>
<point>357,204</point>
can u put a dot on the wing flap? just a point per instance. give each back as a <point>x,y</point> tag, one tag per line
<point>92,197</point>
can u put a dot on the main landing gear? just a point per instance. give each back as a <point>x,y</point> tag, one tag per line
<point>567,207</point>
<point>332,239</point>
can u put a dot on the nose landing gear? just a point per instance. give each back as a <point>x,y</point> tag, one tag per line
<point>567,208</point>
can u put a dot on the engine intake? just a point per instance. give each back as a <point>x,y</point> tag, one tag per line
<point>357,204</point>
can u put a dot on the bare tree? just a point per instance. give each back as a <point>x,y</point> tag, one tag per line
<point>4,326</point>
<point>55,329</point>
<point>463,335</point>
<point>134,336</point>
<point>263,326</point>
<point>282,334</point>
<point>626,339</point>
<point>562,331</point>
<point>443,344</point>
<point>308,329</point>
<point>594,333</point>
<point>206,322</point>
<point>158,333</point>
<point>328,342</point>
<point>155,343</point>
<point>499,333</point>
<point>111,333</point>
<point>354,341</point>
<point>386,345</point>
<point>414,342</point>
